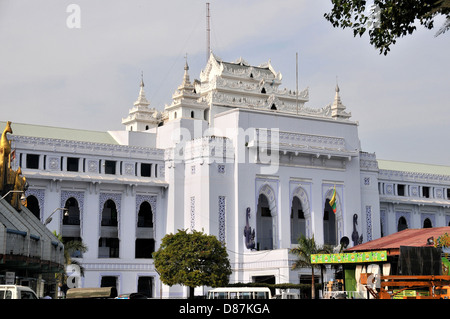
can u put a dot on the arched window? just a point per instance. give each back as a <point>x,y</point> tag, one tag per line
<point>33,206</point>
<point>297,220</point>
<point>273,107</point>
<point>109,213</point>
<point>264,222</point>
<point>175,115</point>
<point>329,225</point>
<point>72,215</point>
<point>402,224</point>
<point>192,114</point>
<point>145,215</point>
<point>427,223</point>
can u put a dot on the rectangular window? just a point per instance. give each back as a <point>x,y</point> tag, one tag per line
<point>108,248</point>
<point>146,169</point>
<point>426,191</point>
<point>72,164</point>
<point>144,248</point>
<point>109,281</point>
<point>32,161</point>
<point>401,190</point>
<point>145,286</point>
<point>110,167</point>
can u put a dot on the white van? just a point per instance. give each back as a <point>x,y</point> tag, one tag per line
<point>16,292</point>
<point>239,293</point>
<point>287,295</point>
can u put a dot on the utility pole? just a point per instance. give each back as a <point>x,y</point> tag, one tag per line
<point>208,32</point>
<point>296,80</point>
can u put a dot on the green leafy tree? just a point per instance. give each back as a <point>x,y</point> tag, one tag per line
<point>69,248</point>
<point>305,248</point>
<point>192,259</point>
<point>387,20</point>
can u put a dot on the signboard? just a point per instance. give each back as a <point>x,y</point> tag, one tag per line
<point>345,258</point>
<point>10,278</point>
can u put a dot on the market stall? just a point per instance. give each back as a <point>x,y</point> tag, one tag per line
<point>411,252</point>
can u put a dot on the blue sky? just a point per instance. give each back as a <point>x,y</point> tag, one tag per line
<point>89,77</point>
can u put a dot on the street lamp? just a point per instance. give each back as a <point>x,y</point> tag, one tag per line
<point>49,218</point>
<point>23,198</point>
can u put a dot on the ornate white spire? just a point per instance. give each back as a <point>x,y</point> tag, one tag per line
<point>186,80</point>
<point>186,87</point>
<point>141,117</point>
<point>185,99</point>
<point>337,108</point>
<point>141,98</point>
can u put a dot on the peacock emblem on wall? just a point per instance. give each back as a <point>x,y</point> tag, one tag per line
<point>249,233</point>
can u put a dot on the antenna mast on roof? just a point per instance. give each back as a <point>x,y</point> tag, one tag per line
<point>208,33</point>
<point>296,80</point>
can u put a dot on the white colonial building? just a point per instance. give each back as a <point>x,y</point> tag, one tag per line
<point>234,155</point>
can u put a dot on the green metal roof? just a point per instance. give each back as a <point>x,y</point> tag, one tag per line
<point>413,167</point>
<point>41,131</point>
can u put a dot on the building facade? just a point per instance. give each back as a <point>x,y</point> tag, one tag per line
<point>233,155</point>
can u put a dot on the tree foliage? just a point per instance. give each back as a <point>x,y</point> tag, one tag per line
<point>70,247</point>
<point>305,248</point>
<point>192,259</point>
<point>387,20</point>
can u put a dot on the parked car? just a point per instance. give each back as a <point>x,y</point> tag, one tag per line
<point>16,292</point>
<point>133,295</point>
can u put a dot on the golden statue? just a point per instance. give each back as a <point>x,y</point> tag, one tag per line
<point>5,151</point>
<point>10,181</point>
<point>20,184</point>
